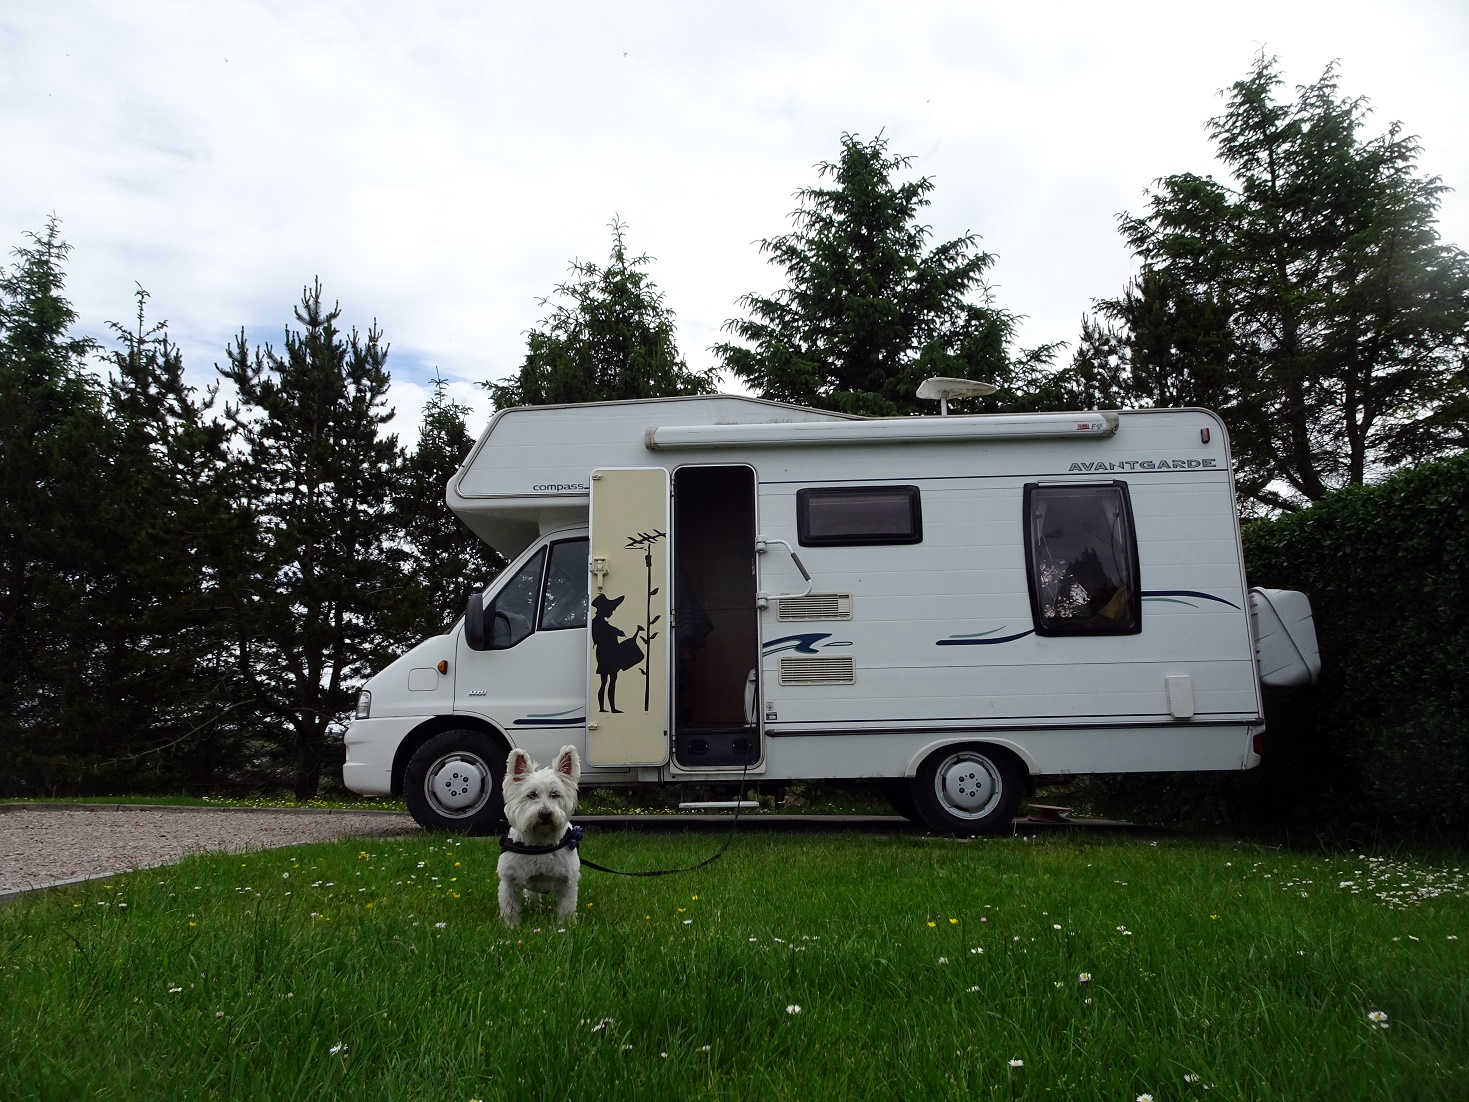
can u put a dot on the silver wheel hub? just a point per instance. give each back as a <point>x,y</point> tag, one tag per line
<point>457,784</point>
<point>968,785</point>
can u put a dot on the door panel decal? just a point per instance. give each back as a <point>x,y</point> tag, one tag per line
<point>627,690</point>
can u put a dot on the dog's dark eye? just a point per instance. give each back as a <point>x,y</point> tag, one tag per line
<point>531,795</point>
<point>553,795</point>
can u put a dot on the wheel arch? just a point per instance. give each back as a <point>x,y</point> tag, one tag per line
<point>431,727</point>
<point>994,745</point>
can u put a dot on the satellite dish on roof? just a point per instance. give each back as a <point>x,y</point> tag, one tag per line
<point>940,389</point>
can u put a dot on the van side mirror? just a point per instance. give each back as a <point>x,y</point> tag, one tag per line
<point>474,623</point>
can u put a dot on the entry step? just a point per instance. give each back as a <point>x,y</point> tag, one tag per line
<point>717,805</point>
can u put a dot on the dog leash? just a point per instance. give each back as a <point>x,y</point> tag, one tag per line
<point>572,840</point>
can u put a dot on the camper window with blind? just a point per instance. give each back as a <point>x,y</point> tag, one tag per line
<point>1081,560</point>
<point>854,516</point>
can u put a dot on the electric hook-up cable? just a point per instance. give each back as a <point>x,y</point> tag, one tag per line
<point>573,836</point>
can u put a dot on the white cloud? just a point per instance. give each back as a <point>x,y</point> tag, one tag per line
<point>438,165</point>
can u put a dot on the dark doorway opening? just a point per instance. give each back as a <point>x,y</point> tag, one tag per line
<point>716,630</point>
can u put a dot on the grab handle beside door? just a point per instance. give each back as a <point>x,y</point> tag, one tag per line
<point>761,546</point>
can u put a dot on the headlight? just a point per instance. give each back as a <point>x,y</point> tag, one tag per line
<point>364,704</point>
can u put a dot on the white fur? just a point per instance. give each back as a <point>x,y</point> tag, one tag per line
<point>538,805</point>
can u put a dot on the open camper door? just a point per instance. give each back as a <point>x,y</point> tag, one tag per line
<point>627,653</point>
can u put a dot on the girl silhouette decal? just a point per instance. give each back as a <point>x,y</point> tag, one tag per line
<point>614,653</point>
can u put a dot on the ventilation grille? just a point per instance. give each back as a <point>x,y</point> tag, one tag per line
<point>816,671</point>
<point>817,606</point>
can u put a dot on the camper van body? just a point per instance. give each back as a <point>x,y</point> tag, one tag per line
<point>952,603</point>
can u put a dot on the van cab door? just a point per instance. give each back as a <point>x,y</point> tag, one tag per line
<point>627,652</point>
<point>531,677</point>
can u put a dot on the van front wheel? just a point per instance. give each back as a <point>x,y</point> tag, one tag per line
<point>452,783</point>
<point>967,790</point>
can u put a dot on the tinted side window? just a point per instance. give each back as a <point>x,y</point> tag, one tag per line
<point>564,604</point>
<point>838,516</point>
<point>511,616</point>
<point>1081,557</point>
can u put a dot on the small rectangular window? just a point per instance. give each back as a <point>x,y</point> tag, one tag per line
<point>840,516</point>
<point>1081,559</point>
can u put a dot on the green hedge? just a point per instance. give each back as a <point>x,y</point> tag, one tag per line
<point>1380,747</point>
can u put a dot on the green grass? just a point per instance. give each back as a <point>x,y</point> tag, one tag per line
<point>1252,969</point>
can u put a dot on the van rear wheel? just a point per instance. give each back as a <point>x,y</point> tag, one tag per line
<point>968,790</point>
<point>453,781</point>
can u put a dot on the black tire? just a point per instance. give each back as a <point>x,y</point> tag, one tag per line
<point>453,781</point>
<point>968,790</point>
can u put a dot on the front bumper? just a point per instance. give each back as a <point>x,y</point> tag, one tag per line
<point>371,746</point>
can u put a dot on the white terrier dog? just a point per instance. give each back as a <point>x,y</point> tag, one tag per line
<point>539,852</point>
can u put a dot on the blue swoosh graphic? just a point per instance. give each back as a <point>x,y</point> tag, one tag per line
<point>1186,593</point>
<point>801,644</point>
<point>960,641</point>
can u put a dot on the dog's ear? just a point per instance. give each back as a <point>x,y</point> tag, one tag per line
<point>568,764</point>
<point>518,765</point>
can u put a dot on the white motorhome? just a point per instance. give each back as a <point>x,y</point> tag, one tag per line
<point>954,604</point>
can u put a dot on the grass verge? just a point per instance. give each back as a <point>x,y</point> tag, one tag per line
<point>846,967</point>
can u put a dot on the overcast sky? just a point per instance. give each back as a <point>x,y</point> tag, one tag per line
<point>438,165</point>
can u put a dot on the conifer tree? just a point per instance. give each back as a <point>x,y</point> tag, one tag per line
<point>446,558</point>
<point>161,618</point>
<point>870,309</point>
<point>612,337</point>
<point>1306,295</point>
<point>318,480</point>
<point>54,440</point>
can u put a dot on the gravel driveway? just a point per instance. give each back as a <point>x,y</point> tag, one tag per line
<point>41,846</point>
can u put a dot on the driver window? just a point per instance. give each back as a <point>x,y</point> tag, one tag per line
<point>511,615</point>
<point>565,605</point>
